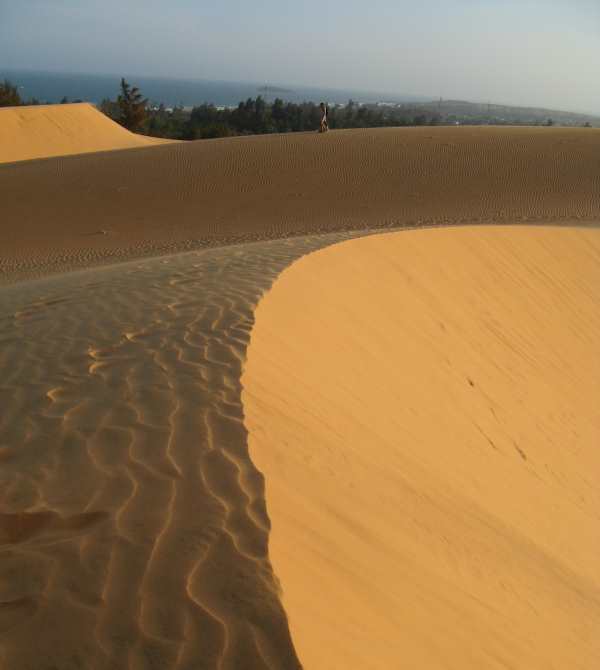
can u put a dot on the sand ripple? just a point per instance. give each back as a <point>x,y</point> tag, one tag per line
<point>76,211</point>
<point>133,528</point>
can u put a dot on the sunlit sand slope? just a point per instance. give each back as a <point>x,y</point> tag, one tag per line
<point>42,131</point>
<point>133,530</point>
<point>424,409</point>
<point>82,209</point>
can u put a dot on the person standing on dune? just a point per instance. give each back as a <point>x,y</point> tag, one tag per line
<point>324,123</point>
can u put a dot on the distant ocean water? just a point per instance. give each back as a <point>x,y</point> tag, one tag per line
<point>52,87</point>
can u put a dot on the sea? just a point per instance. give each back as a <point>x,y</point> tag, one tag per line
<point>52,87</point>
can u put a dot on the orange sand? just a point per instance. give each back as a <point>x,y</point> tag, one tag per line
<point>424,408</point>
<point>42,131</point>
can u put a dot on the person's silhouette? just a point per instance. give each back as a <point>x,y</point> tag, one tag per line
<point>324,123</point>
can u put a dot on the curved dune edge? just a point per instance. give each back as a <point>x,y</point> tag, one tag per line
<point>424,410</point>
<point>133,531</point>
<point>44,131</point>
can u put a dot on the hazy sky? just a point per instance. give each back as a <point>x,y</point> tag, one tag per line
<point>535,52</point>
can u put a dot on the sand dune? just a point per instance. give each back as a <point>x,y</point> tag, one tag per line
<point>86,209</point>
<point>42,131</point>
<point>133,529</point>
<point>421,405</point>
<point>424,408</point>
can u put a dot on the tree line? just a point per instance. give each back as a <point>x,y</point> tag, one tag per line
<point>257,116</point>
<point>251,117</point>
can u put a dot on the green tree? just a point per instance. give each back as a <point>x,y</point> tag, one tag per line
<point>132,107</point>
<point>278,115</point>
<point>9,94</point>
<point>110,108</point>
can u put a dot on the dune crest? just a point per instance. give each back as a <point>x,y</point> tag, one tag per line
<point>43,131</point>
<point>423,407</point>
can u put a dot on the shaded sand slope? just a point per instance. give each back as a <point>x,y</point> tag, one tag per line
<point>182,195</point>
<point>133,531</point>
<point>42,131</point>
<point>424,408</point>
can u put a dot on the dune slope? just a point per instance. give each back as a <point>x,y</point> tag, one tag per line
<point>83,209</point>
<point>423,407</point>
<point>42,131</point>
<point>133,531</point>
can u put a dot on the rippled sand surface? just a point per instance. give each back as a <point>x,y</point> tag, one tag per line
<point>104,207</point>
<point>133,530</point>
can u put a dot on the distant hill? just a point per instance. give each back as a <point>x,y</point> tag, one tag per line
<point>462,111</point>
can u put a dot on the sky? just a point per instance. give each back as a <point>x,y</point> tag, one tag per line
<point>524,52</point>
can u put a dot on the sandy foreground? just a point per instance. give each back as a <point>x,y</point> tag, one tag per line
<point>388,463</point>
<point>400,469</point>
<point>43,131</point>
